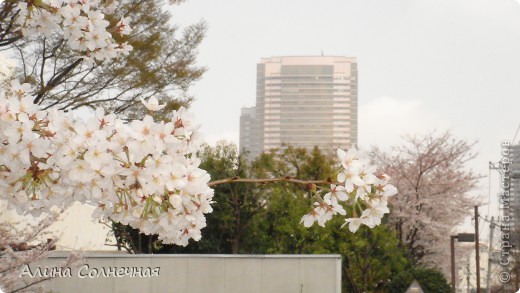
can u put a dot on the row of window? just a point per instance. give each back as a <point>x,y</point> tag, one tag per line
<point>289,78</point>
<point>310,95</point>
<point>307,84</point>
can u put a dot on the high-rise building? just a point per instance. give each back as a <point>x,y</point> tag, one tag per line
<point>303,101</point>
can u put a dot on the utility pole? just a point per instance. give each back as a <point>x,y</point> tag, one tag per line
<point>477,250</point>
<point>452,246</point>
<point>490,251</point>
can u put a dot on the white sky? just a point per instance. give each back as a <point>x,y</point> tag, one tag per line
<point>423,64</point>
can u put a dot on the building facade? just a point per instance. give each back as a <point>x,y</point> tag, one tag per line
<point>303,101</point>
<point>248,128</point>
<point>514,191</point>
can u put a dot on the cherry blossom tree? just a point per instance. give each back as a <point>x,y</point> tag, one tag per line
<point>22,244</point>
<point>142,173</point>
<point>434,182</point>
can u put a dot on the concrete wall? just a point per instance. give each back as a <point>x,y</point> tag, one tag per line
<point>198,273</point>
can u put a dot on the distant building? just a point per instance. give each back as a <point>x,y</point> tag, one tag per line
<point>248,128</point>
<point>514,189</point>
<point>303,101</point>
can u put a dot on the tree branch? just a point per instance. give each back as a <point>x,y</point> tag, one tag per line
<point>289,179</point>
<point>55,80</point>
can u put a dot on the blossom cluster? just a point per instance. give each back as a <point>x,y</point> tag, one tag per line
<point>81,23</point>
<point>360,187</point>
<point>143,173</point>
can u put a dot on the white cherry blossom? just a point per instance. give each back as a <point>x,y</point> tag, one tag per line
<point>152,104</point>
<point>129,171</point>
<point>353,223</point>
<point>81,23</point>
<point>360,188</point>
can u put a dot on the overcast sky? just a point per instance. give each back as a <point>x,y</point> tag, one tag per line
<point>423,64</point>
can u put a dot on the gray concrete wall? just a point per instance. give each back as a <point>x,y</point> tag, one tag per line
<point>196,273</point>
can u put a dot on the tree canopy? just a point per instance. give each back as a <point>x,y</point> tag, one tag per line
<point>434,185</point>
<point>161,64</point>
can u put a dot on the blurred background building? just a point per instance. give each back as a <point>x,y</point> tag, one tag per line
<point>303,101</point>
<point>514,191</point>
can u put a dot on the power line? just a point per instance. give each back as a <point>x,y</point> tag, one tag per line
<point>496,225</point>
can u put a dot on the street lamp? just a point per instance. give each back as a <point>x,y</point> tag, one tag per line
<point>461,237</point>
